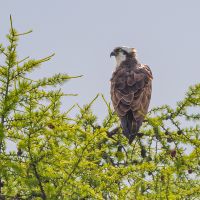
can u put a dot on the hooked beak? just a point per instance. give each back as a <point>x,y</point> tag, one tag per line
<point>112,54</point>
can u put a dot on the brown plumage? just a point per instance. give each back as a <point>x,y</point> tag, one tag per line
<point>131,86</point>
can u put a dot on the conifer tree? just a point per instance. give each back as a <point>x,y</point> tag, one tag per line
<point>58,157</point>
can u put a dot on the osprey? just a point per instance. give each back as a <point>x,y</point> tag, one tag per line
<point>131,86</point>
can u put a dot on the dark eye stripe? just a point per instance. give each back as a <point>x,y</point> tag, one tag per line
<point>117,50</point>
<point>125,53</point>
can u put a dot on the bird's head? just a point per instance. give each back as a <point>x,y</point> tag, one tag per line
<point>123,53</point>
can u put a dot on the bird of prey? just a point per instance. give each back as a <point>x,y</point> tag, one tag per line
<point>131,87</point>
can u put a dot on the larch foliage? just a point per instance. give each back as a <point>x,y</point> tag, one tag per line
<point>59,157</point>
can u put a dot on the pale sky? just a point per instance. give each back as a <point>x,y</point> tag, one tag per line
<point>82,33</point>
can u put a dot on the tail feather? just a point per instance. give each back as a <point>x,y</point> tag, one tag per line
<point>125,127</point>
<point>130,126</point>
<point>126,124</point>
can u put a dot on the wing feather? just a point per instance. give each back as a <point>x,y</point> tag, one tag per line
<point>131,90</point>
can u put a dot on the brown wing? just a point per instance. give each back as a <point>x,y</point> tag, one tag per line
<point>131,90</point>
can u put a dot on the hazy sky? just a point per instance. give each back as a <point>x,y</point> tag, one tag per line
<point>82,33</point>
